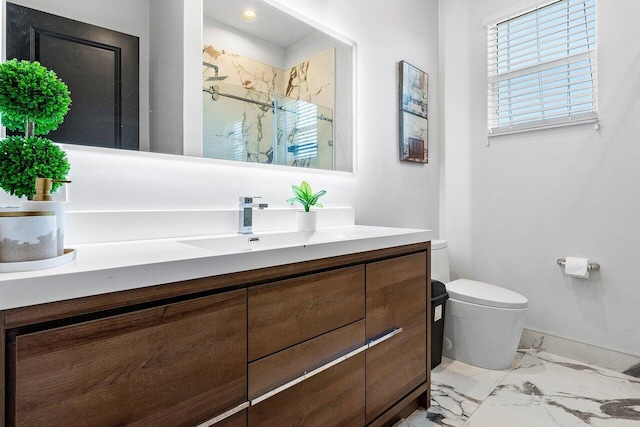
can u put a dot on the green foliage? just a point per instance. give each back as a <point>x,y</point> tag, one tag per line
<point>22,160</point>
<point>30,92</point>
<point>305,196</point>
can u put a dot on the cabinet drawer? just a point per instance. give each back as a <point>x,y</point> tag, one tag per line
<point>277,369</point>
<point>285,313</point>
<point>173,365</point>
<point>334,397</point>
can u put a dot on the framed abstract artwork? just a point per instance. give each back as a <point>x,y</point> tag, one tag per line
<point>413,137</point>
<point>414,109</point>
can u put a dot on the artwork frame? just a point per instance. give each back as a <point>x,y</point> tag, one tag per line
<point>413,117</point>
<point>413,138</point>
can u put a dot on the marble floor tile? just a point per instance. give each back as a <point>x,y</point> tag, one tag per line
<point>471,381</point>
<point>585,353</point>
<point>540,390</point>
<point>548,390</point>
<point>457,390</point>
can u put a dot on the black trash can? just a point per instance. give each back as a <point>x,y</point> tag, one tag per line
<point>439,297</point>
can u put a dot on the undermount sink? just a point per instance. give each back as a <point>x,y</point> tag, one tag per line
<point>264,241</point>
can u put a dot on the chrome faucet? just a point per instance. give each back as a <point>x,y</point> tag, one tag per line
<point>246,213</point>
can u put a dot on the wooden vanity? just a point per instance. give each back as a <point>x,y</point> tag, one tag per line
<point>338,341</point>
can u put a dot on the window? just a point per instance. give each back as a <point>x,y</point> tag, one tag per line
<point>542,68</point>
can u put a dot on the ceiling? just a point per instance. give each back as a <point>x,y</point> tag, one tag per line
<point>271,24</point>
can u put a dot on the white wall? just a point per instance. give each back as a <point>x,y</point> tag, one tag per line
<point>510,210</point>
<point>192,112</point>
<point>383,190</point>
<point>166,48</point>
<point>222,36</point>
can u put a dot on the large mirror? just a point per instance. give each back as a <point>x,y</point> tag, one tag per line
<point>273,89</point>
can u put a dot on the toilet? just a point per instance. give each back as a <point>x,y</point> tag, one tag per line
<point>483,322</point>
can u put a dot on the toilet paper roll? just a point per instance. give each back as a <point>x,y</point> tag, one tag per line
<point>577,267</point>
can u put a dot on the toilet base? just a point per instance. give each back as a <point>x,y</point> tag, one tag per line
<point>482,336</point>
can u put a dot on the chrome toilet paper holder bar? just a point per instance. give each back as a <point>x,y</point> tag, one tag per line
<point>592,266</point>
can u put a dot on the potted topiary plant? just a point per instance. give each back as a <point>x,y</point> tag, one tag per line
<point>33,100</point>
<point>306,220</point>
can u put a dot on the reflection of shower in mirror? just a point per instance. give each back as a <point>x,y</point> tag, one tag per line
<point>275,62</point>
<point>266,114</point>
<point>280,130</point>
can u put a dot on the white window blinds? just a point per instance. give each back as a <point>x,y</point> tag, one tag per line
<point>301,132</point>
<point>542,68</point>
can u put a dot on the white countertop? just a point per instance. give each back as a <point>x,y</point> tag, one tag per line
<point>111,267</point>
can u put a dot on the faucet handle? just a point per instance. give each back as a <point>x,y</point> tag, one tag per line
<point>248,199</point>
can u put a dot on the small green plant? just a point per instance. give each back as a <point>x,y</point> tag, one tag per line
<point>22,160</point>
<point>304,195</point>
<point>33,99</point>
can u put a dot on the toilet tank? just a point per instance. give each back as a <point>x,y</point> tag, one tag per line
<point>440,261</point>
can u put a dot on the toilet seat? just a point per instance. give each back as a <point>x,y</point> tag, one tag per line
<point>481,293</point>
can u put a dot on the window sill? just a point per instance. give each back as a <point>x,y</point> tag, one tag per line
<point>507,131</point>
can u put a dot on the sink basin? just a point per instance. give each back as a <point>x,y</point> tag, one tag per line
<point>264,241</point>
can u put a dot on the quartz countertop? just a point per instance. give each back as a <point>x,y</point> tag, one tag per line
<point>117,266</point>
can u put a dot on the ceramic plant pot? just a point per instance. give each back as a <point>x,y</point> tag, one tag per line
<point>27,236</point>
<point>306,221</point>
<point>58,208</point>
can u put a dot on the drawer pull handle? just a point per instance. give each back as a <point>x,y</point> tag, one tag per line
<point>224,415</point>
<point>385,337</point>
<point>316,371</point>
<point>308,375</point>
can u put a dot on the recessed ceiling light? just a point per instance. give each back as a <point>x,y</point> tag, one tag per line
<point>249,14</point>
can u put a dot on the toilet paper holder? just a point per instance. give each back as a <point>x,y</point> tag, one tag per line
<point>592,266</point>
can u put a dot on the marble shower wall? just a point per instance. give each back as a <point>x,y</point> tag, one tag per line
<point>246,131</point>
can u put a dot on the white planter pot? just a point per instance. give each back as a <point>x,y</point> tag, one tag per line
<point>306,221</point>
<point>27,236</point>
<point>58,208</point>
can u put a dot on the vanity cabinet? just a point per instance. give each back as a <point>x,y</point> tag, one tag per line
<point>338,341</point>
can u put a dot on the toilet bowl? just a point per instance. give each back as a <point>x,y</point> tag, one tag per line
<point>483,322</point>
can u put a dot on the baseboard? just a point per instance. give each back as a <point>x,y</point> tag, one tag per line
<point>586,353</point>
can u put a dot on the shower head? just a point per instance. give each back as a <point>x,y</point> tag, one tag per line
<point>215,77</point>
